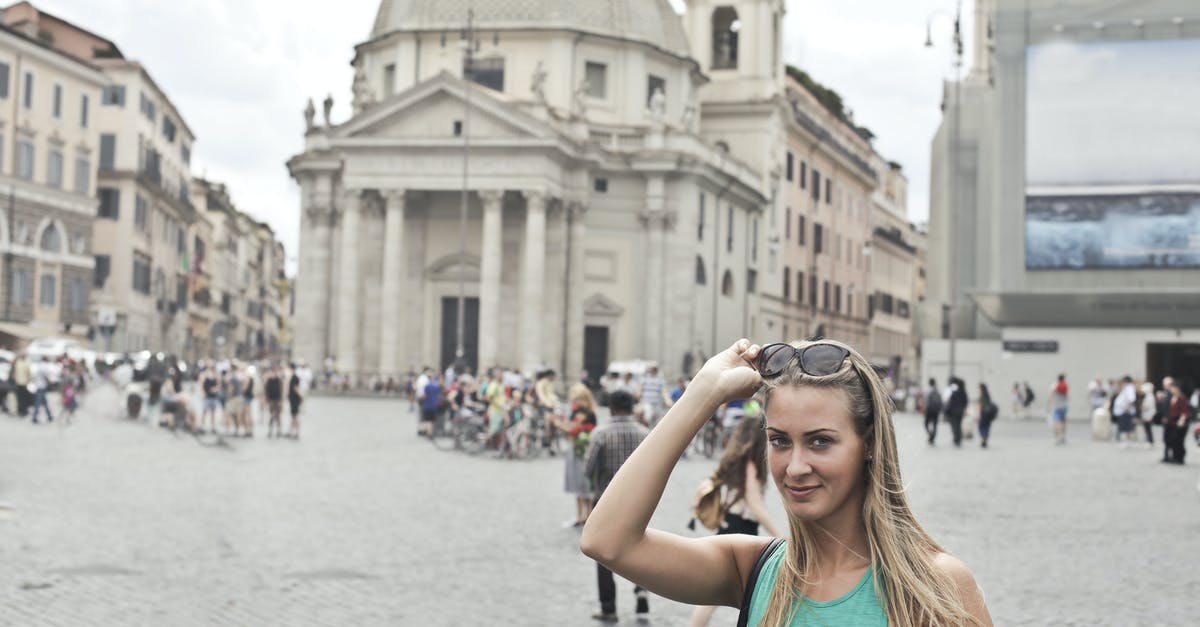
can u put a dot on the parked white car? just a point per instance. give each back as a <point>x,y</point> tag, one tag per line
<point>53,348</point>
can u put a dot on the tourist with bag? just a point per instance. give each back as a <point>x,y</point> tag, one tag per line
<point>987,414</point>
<point>854,554</point>
<point>739,483</point>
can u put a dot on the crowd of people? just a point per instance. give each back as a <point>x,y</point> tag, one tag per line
<point>227,397</point>
<point>1123,409</point>
<point>32,384</point>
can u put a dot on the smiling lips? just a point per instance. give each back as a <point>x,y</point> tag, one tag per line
<point>802,492</point>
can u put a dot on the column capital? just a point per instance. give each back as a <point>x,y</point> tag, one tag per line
<point>576,208</point>
<point>657,218</point>
<point>535,197</point>
<point>491,197</point>
<point>395,198</point>
<point>351,199</point>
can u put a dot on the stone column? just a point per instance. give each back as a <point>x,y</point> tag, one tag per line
<point>574,342</point>
<point>391,317</point>
<point>347,289</point>
<point>533,305</point>
<point>489,279</point>
<point>653,219</point>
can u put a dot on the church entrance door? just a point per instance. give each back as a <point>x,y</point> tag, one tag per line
<point>470,332</point>
<point>595,351</point>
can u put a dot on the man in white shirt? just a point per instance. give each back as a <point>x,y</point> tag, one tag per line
<point>1123,410</point>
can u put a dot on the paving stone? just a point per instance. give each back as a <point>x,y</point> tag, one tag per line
<point>360,522</point>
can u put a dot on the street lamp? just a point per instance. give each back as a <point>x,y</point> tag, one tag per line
<point>468,45</point>
<point>952,205</point>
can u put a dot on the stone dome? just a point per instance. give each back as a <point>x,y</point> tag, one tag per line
<point>650,21</point>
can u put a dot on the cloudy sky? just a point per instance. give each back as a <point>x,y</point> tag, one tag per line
<point>240,71</point>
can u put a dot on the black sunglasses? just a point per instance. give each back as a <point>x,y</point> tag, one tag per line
<point>816,360</point>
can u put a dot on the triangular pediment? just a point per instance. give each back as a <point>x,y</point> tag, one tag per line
<point>601,305</point>
<point>431,109</point>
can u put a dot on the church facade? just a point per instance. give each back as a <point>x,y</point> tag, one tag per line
<point>602,221</point>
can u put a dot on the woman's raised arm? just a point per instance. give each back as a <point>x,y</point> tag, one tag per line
<point>699,571</point>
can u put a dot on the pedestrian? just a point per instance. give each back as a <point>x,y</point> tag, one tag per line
<point>1147,409</point>
<point>1029,396</point>
<point>579,427</point>
<point>742,472</point>
<point>21,372</point>
<point>1018,401</point>
<point>1176,420</point>
<point>69,401</point>
<point>852,536</point>
<point>653,396</point>
<point>956,406</point>
<point>210,387</point>
<point>1098,393</point>
<point>1124,409</point>
<point>420,385</point>
<point>987,414</point>
<point>676,392</point>
<point>609,447</point>
<point>41,384</point>
<point>431,403</point>
<point>547,405</point>
<point>1057,405</point>
<point>235,402</point>
<point>295,394</point>
<point>933,410</point>
<point>273,397</point>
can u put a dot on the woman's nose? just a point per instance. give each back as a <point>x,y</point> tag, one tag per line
<point>798,465</point>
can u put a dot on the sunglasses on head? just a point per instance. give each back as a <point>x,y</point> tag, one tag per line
<point>817,360</point>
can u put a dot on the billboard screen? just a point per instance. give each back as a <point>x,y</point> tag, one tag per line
<point>1112,163</point>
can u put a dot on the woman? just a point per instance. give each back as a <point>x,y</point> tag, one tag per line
<point>295,400</point>
<point>1176,419</point>
<point>579,430</point>
<point>832,452</point>
<point>987,414</point>
<point>743,472</point>
<point>1146,410</point>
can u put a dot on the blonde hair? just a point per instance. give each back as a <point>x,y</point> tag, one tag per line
<point>582,397</point>
<point>914,590</point>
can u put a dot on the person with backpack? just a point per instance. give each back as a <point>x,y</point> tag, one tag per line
<point>273,394</point>
<point>738,485</point>
<point>855,553</point>
<point>956,407</point>
<point>933,409</point>
<point>987,414</point>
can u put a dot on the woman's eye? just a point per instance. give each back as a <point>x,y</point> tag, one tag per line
<point>777,442</point>
<point>820,442</point>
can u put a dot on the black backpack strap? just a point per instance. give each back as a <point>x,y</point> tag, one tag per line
<point>752,581</point>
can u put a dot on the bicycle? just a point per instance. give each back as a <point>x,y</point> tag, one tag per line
<point>706,442</point>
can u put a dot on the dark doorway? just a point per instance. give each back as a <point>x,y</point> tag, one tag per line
<point>1181,361</point>
<point>470,332</point>
<point>595,351</point>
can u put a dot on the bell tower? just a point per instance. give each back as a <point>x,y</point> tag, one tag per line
<point>739,45</point>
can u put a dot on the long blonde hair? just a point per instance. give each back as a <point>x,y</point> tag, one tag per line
<point>914,590</point>
<point>582,397</point>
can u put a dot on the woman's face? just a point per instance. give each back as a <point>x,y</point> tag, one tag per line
<point>816,457</point>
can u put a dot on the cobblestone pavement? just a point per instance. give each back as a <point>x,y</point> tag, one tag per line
<point>108,522</point>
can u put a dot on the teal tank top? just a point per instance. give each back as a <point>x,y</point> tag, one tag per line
<point>860,606</point>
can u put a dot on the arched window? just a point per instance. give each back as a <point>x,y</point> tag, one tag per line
<point>727,284</point>
<point>701,278</point>
<point>51,239</point>
<point>725,27</point>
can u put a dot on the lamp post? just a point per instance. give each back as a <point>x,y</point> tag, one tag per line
<point>952,205</point>
<point>468,44</point>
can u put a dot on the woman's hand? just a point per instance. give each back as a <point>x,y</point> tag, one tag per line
<point>730,374</point>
